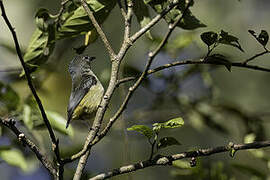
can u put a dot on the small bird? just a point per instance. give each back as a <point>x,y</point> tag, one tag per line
<point>87,90</point>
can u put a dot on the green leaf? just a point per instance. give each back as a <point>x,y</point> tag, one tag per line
<point>209,37</point>
<point>249,138</point>
<point>219,59</point>
<point>188,22</point>
<point>182,164</point>
<point>142,14</point>
<point>42,18</point>
<point>40,47</point>
<point>27,117</point>
<point>173,123</point>
<point>75,20</point>
<point>167,141</point>
<point>9,99</point>
<point>232,152</point>
<point>42,41</point>
<point>145,130</point>
<point>59,123</point>
<point>14,157</point>
<point>225,38</point>
<point>262,38</point>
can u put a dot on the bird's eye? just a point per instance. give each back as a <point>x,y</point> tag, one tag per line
<point>86,58</point>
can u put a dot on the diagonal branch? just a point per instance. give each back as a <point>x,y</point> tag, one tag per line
<point>115,68</point>
<point>155,20</point>
<point>131,90</point>
<point>255,56</point>
<point>10,123</point>
<point>92,135</point>
<point>167,160</point>
<point>55,142</point>
<point>99,30</point>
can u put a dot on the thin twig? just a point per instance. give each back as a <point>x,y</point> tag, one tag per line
<point>187,62</point>
<point>55,142</point>
<point>167,160</point>
<point>98,28</point>
<point>62,9</point>
<point>10,123</point>
<point>131,90</point>
<point>91,137</point>
<point>153,22</point>
<point>84,153</point>
<point>123,12</point>
<point>255,56</point>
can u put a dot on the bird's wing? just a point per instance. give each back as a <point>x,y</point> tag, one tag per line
<point>78,92</point>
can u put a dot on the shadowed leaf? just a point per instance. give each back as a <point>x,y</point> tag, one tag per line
<point>219,59</point>
<point>262,38</point>
<point>225,38</point>
<point>188,22</point>
<point>142,14</point>
<point>209,37</point>
<point>167,141</point>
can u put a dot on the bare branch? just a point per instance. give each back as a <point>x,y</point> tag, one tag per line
<point>97,122</point>
<point>256,55</point>
<point>123,12</point>
<point>167,160</point>
<point>55,142</point>
<point>131,90</point>
<point>92,135</point>
<point>99,30</point>
<point>10,123</point>
<point>201,61</point>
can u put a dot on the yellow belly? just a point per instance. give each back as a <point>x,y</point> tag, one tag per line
<point>89,104</point>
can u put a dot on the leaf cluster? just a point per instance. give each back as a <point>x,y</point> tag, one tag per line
<point>152,134</point>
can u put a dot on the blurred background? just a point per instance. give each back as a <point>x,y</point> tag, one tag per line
<point>217,106</point>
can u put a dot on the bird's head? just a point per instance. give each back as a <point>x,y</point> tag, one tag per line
<point>79,64</point>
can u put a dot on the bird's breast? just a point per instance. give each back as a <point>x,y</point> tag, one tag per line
<point>90,102</point>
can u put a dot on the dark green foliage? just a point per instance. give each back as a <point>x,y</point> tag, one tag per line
<point>209,38</point>
<point>189,21</point>
<point>167,141</point>
<point>262,38</point>
<point>72,22</point>
<point>226,38</point>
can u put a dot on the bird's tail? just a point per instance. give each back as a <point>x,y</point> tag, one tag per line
<point>69,119</point>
